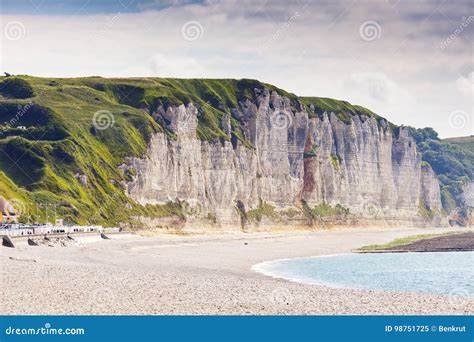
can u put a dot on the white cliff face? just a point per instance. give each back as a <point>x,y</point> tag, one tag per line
<point>364,167</point>
<point>360,166</point>
<point>468,194</point>
<point>468,198</point>
<point>430,190</point>
<point>210,177</point>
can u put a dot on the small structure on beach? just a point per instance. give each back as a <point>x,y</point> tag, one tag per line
<point>18,229</point>
<point>40,234</point>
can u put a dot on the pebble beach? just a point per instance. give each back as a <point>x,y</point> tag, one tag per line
<point>199,275</point>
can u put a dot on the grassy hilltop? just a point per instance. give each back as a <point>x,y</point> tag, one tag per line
<point>465,142</point>
<point>53,151</point>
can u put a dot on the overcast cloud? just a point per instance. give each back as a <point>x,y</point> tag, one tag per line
<point>411,62</point>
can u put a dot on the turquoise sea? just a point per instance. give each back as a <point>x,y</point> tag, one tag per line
<point>438,273</point>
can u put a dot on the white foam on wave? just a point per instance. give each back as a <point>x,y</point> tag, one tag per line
<point>263,268</point>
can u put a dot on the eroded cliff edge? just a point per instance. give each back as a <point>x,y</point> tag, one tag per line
<point>289,168</point>
<point>219,154</point>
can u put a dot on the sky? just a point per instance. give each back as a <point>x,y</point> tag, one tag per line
<point>409,61</point>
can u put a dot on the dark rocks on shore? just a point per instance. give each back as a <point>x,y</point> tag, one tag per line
<point>446,243</point>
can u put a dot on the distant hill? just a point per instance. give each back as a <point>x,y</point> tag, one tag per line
<point>462,141</point>
<point>452,159</point>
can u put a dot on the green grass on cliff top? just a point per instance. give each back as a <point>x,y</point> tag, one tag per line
<point>41,165</point>
<point>402,242</point>
<point>317,106</point>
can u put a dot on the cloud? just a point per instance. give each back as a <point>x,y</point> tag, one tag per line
<point>305,47</point>
<point>465,85</point>
<point>175,66</point>
<point>376,85</point>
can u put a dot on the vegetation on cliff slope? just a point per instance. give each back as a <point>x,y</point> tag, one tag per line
<point>16,87</point>
<point>451,159</point>
<point>464,142</point>
<point>344,111</point>
<point>55,162</point>
<point>62,140</point>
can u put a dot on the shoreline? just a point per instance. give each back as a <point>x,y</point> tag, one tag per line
<point>199,275</point>
<point>261,268</point>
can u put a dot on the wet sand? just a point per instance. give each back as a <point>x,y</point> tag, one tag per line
<point>205,274</point>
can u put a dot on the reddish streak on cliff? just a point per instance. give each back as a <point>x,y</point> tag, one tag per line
<point>308,175</point>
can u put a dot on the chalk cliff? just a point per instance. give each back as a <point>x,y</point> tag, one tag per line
<point>295,165</point>
<point>220,154</point>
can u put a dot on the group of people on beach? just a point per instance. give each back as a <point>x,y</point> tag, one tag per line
<point>9,213</point>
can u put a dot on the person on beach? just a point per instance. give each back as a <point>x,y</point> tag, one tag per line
<point>8,210</point>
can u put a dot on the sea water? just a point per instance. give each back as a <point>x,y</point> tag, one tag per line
<point>437,272</point>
